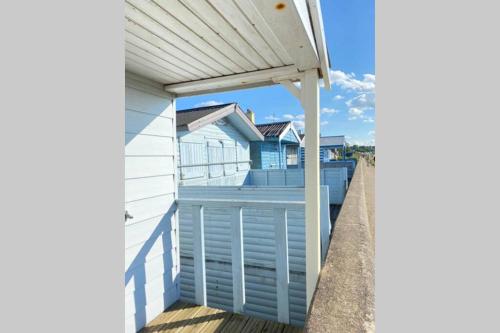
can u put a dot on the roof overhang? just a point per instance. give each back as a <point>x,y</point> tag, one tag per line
<point>290,127</point>
<point>234,115</point>
<point>204,46</point>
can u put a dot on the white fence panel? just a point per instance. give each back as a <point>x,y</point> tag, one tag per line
<point>335,178</point>
<point>259,248</point>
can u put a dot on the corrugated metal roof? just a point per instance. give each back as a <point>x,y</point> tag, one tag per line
<point>273,129</point>
<point>187,116</point>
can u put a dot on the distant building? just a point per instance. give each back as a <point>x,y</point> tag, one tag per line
<point>280,149</point>
<point>331,148</point>
<point>213,145</point>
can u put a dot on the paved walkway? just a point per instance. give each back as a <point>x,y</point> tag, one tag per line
<point>345,298</point>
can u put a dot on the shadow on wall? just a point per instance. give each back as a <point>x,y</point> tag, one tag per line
<point>148,250</point>
<point>136,272</point>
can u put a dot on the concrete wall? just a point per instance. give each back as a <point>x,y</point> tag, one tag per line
<point>349,164</point>
<point>345,297</point>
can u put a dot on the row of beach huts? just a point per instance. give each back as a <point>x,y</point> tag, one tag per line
<point>217,145</point>
<point>226,160</point>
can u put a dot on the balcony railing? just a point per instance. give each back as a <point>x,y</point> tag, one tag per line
<point>236,207</point>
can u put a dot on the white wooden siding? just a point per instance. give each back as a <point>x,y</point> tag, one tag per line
<point>229,152</point>
<point>151,256</point>
<point>215,158</point>
<point>221,143</point>
<point>192,154</point>
<point>259,250</point>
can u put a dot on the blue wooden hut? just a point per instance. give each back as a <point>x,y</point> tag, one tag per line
<point>280,147</point>
<point>213,145</point>
<point>330,148</point>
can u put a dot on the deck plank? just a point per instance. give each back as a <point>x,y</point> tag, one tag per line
<point>183,317</point>
<point>254,325</point>
<point>198,322</point>
<point>182,320</point>
<point>216,325</point>
<point>236,324</point>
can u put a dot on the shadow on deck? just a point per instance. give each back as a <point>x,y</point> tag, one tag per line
<point>185,317</point>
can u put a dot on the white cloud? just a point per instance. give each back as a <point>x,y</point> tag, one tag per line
<point>272,118</point>
<point>356,113</point>
<point>329,110</point>
<point>371,133</point>
<point>360,142</point>
<point>369,77</point>
<point>323,123</point>
<point>363,92</point>
<point>207,103</point>
<point>299,124</point>
<point>350,83</point>
<point>362,101</point>
<point>297,120</point>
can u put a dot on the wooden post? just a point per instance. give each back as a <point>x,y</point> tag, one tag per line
<point>200,285</point>
<point>238,262</point>
<point>310,102</point>
<point>282,271</point>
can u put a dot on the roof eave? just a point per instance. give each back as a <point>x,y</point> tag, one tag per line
<point>319,36</point>
<point>222,113</point>
<point>210,118</point>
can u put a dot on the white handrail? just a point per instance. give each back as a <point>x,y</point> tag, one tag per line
<point>242,203</point>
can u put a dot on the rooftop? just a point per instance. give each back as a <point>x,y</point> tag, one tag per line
<point>193,119</point>
<point>186,116</point>
<point>273,129</point>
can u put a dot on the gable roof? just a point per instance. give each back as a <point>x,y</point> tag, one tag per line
<point>193,119</point>
<point>187,116</point>
<point>273,129</point>
<point>278,130</point>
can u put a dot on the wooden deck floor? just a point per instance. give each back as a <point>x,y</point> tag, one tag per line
<point>184,317</point>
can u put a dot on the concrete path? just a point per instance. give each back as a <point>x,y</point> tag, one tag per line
<point>344,301</point>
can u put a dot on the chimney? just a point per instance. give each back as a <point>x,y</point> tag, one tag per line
<point>251,115</point>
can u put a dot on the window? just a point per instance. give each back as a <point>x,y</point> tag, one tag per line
<point>291,155</point>
<point>191,160</point>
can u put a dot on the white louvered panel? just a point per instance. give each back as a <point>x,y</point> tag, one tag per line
<point>259,251</point>
<point>229,158</point>
<point>243,154</point>
<point>191,154</point>
<point>215,158</point>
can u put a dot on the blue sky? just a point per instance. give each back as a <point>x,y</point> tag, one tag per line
<point>349,107</point>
